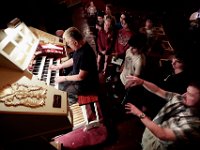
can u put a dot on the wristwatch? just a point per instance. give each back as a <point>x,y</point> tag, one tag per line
<point>142,116</point>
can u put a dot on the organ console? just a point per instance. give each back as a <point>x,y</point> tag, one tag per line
<point>31,105</point>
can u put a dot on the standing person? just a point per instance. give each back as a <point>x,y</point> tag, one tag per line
<point>109,12</point>
<point>83,78</point>
<point>120,46</point>
<point>177,125</point>
<point>99,26</point>
<point>100,21</point>
<point>148,31</point>
<point>134,59</point>
<point>91,11</point>
<point>134,64</point>
<point>123,36</point>
<point>104,42</point>
<point>123,15</point>
<point>148,28</point>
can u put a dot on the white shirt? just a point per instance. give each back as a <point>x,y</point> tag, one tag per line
<point>133,64</point>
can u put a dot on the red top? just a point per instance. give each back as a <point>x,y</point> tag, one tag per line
<point>105,40</point>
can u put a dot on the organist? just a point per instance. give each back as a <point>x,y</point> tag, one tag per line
<point>83,78</point>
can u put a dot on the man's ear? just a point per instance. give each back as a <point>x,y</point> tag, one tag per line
<point>75,42</point>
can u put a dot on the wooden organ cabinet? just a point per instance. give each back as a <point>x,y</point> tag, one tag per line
<point>31,105</point>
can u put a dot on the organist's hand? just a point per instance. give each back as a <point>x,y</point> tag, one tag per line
<point>54,67</point>
<point>60,79</point>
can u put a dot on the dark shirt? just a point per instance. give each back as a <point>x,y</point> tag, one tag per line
<point>85,59</point>
<point>176,82</point>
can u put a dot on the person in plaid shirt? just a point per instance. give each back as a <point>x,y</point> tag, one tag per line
<point>177,125</point>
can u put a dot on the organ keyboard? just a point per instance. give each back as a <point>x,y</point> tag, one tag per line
<point>40,69</point>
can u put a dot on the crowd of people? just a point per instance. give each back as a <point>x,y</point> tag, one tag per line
<point>177,124</point>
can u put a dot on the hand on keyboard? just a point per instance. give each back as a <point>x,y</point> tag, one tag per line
<point>60,79</point>
<point>54,67</point>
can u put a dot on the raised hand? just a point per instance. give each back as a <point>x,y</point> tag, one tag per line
<point>133,81</point>
<point>132,109</point>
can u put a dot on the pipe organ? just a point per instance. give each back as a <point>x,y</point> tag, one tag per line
<point>31,105</point>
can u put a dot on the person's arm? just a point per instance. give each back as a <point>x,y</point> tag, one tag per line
<point>165,134</point>
<point>77,77</point>
<point>66,64</point>
<point>133,81</point>
<point>109,42</point>
<point>138,68</point>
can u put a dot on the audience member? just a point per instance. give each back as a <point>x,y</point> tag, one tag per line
<point>147,28</point>
<point>100,20</point>
<point>109,12</point>
<point>178,79</point>
<point>91,13</point>
<point>148,31</point>
<point>83,78</point>
<point>173,75</point>
<point>120,47</point>
<point>105,42</point>
<point>121,18</point>
<point>123,36</point>
<point>177,125</point>
<point>99,25</point>
<point>134,64</point>
<point>91,10</point>
<point>135,59</point>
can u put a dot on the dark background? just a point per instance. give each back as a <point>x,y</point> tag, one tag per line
<point>50,15</point>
